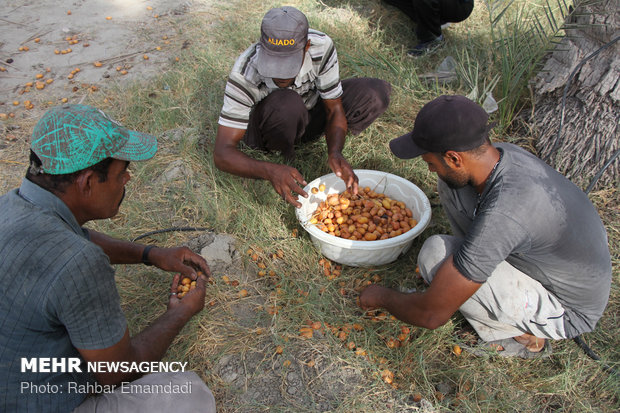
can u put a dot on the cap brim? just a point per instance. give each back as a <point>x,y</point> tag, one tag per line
<point>277,66</point>
<point>404,147</point>
<point>139,147</point>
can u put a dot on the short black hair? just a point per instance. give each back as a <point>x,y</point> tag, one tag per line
<point>476,152</point>
<point>59,183</point>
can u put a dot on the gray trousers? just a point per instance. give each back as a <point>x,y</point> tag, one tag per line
<point>509,303</point>
<point>156,392</point>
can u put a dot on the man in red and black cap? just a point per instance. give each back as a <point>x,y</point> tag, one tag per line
<point>528,260</point>
<point>286,89</point>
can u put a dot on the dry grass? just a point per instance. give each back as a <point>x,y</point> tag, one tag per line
<point>244,327</point>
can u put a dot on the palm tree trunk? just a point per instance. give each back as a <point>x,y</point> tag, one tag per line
<point>577,93</point>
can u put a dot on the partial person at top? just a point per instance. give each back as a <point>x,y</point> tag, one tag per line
<point>430,16</point>
<point>285,90</point>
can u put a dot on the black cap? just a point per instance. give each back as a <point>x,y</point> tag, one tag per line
<point>448,123</point>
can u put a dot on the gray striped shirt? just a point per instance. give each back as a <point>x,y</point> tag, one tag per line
<point>58,295</point>
<point>319,77</point>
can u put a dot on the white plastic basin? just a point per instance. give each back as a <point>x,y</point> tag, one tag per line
<point>365,253</point>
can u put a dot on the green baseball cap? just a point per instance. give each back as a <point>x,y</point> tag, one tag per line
<point>69,138</point>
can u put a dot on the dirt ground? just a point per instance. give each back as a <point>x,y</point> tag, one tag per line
<point>63,50</point>
<point>53,38</point>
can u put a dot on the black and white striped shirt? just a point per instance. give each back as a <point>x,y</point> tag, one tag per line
<point>318,77</point>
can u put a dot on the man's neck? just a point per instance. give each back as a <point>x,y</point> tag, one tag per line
<point>484,168</point>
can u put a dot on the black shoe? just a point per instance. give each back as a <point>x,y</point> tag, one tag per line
<point>425,47</point>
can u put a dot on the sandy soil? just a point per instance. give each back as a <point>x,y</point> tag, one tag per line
<point>110,41</point>
<point>131,40</point>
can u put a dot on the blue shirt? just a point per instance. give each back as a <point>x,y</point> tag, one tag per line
<point>58,294</point>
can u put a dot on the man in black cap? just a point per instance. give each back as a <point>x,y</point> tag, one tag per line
<point>528,260</point>
<point>286,90</point>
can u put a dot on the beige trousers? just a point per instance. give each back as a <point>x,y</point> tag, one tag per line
<point>508,304</point>
<point>156,392</point>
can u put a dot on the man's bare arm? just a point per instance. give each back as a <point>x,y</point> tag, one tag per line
<point>180,259</point>
<point>429,309</point>
<point>335,135</point>
<point>228,158</point>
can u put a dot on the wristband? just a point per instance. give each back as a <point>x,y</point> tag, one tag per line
<point>145,255</point>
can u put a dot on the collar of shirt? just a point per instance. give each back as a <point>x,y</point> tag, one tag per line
<point>306,67</point>
<point>499,165</point>
<point>44,199</point>
<point>490,180</point>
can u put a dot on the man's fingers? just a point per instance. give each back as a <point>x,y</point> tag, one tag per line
<point>199,264</point>
<point>174,287</point>
<point>349,177</point>
<point>355,187</point>
<point>298,177</point>
<point>175,283</point>
<point>362,301</point>
<point>292,200</point>
<point>201,282</point>
<point>285,181</point>
<point>288,195</point>
<point>353,182</point>
<point>350,180</point>
<point>293,187</point>
<point>189,271</point>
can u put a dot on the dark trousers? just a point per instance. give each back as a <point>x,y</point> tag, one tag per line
<point>281,120</point>
<point>429,15</point>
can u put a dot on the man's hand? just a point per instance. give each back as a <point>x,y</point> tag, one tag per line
<point>286,181</point>
<point>193,301</point>
<point>431,308</point>
<point>152,342</point>
<point>343,170</point>
<point>179,259</point>
<point>229,158</point>
<point>370,298</point>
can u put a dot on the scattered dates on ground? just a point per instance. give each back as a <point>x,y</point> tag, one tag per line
<point>367,216</point>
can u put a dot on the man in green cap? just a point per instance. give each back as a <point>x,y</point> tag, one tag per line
<point>62,327</point>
